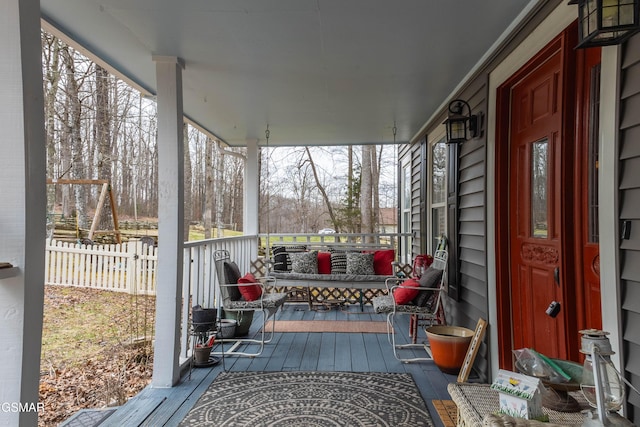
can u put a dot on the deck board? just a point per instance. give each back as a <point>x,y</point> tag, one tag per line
<point>301,351</point>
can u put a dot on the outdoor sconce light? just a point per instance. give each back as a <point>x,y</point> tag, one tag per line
<point>456,122</point>
<point>601,383</point>
<point>606,22</point>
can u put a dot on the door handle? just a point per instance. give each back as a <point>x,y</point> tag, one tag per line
<point>556,275</point>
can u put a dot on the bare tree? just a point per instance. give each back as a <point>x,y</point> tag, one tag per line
<point>188,179</point>
<point>219,189</point>
<point>366,190</point>
<point>323,192</point>
<point>209,189</point>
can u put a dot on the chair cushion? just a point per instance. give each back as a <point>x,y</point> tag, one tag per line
<point>250,292</point>
<point>304,262</point>
<point>404,295</point>
<point>324,263</point>
<point>384,304</point>
<point>269,300</point>
<point>231,275</point>
<point>430,279</point>
<point>360,264</point>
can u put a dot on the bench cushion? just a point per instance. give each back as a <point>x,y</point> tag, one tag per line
<point>329,277</point>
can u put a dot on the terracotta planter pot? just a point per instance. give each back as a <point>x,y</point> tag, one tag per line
<point>201,354</point>
<point>449,345</point>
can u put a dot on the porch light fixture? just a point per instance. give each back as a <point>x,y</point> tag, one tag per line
<point>606,22</point>
<point>461,126</point>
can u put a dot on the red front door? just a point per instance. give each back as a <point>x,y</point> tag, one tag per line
<point>546,215</point>
<point>535,205</point>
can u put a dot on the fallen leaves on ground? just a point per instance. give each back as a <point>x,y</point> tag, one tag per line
<point>96,350</point>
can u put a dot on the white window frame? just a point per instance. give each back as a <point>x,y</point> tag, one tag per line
<point>436,137</point>
<point>405,210</point>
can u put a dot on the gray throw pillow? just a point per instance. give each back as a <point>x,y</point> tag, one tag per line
<point>360,264</point>
<point>304,262</point>
<point>430,279</point>
<point>231,275</point>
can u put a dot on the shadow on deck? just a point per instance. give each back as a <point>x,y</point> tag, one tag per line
<point>299,351</point>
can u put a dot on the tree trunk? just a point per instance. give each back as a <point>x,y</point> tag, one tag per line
<point>209,189</point>
<point>321,188</point>
<point>219,189</point>
<point>366,190</point>
<point>103,139</point>
<point>51,55</point>
<point>188,182</point>
<point>75,141</point>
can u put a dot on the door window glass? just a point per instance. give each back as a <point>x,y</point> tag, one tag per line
<point>539,189</point>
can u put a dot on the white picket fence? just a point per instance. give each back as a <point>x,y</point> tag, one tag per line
<point>127,267</point>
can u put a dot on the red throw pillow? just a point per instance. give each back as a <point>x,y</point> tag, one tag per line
<point>324,263</point>
<point>403,296</point>
<point>382,260</point>
<point>252,292</point>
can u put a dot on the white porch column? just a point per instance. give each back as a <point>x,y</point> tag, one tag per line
<point>22,210</point>
<point>166,362</point>
<point>251,188</point>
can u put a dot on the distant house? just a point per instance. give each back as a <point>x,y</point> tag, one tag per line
<point>388,220</point>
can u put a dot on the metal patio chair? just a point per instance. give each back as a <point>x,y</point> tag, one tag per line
<point>231,303</point>
<point>427,305</point>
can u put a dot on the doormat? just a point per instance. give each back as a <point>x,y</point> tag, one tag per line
<point>347,326</point>
<point>88,417</point>
<point>316,399</point>
<point>447,411</point>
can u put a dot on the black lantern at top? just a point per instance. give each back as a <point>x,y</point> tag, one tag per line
<point>456,123</point>
<point>606,22</point>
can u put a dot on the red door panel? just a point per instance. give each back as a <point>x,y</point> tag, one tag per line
<point>535,208</point>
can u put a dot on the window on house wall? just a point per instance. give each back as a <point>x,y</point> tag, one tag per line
<point>405,203</point>
<point>437,191</point>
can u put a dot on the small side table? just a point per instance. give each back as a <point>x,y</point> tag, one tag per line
<point>475,401</point>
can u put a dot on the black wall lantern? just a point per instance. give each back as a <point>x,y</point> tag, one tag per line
<point>606,22</point>
<point>457,122</point>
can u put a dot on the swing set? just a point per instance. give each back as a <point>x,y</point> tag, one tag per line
<point>106,191</point>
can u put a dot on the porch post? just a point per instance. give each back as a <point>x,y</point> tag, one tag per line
<point>22,210</point>
<point>166,361</point>
<point>251,188</point>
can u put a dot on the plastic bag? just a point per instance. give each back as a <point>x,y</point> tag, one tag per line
<point>532,363</point>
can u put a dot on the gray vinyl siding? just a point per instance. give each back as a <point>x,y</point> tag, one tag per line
<point>417,199</point>
<point>471,274</point>
<point>629,210</point>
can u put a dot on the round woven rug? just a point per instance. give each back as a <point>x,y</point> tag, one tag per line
<point>310,399</point>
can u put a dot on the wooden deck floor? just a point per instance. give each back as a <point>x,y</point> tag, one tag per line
<point>353,352</point>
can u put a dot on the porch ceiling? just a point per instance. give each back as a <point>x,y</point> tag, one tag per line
<point>320,72</point>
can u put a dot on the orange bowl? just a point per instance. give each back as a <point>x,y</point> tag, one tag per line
<point>449,346</point>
